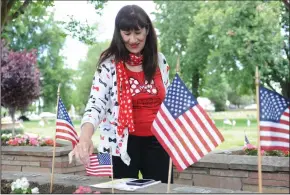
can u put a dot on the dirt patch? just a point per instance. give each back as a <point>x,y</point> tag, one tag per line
<point>43,188</point>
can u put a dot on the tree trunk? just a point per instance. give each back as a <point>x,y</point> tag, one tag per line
<point>285,89</point>
<point>195,83</point>
<point>6,8</point>
<point>39,107</point>
<point>12,114</point>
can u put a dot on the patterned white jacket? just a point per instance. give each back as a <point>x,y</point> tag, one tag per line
<point>102,107</point>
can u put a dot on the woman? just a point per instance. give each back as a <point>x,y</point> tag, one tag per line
<point>128,88</point>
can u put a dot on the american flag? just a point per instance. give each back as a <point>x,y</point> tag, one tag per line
<point>246,141</point>
<point>64,127</point>
<point>183,128</point>
<point>100,165</point>
<point>274,120</point>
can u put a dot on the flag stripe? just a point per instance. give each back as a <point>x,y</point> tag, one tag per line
<point>60,130</point>
<point>191,136</point>
<point>262,128</point>
<point>100,169</point>
<point>98,174</point>
<point>284,122</point>
<point>108,170</point>
<point>285,117</point>
<point>273,124</point>
<point>193,132</point>
<point>286,113</point>
<point>274,143</point>
<point>167,146</point>
<point>183,139</point>
<point>67,128</point>
<point>169,132</point>
<point>202,129</point>
<point>177,153</point>
<point>64,123</point>
<point>65,134</point>
<point>274,134</point>
<point>178,125</point>
<point>215,133</point>
<point>267,148</point>
<point>278,139</point>
<point>196,128</point>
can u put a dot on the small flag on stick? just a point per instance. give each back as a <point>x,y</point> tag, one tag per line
<point>274,120</point>
<point>64,127</point>
<point>100,165</point>
<point>246,140</point>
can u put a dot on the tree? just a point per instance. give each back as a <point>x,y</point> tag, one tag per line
<point>173,20</point>
<point>286,61</point>
<point>19,80</point>
<point>196,54</point>
<point>84,75</point>
<point>11,10</point>
<point>228,37</point>
<point>216,89</point>
<point>286,4</point>
<point>246,35</point>
<point>44,34</point>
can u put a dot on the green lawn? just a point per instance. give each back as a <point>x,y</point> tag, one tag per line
<point>49,129</point>
<point>234,136</point>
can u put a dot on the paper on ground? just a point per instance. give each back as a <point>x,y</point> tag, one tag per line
<point>120,184</point>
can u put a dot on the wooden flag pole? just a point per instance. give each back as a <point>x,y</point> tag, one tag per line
<point>257,82</point>
<point>170,160</point>
<point>54,144</point>
<point>111,158</point>
<point>169,175</point>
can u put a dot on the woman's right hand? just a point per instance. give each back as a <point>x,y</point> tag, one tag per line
<point>85,147</point>
<point>83,150</point>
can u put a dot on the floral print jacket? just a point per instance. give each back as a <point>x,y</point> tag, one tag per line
<point>102,107</point>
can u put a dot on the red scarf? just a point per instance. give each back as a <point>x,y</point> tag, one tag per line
<point>135,60</point>
<point>125,118</point>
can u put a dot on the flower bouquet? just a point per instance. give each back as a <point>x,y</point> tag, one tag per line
<point>251,150</point>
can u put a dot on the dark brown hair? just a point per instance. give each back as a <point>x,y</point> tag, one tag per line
<point>133,17</point>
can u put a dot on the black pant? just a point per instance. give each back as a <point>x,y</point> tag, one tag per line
<point>148,156</point>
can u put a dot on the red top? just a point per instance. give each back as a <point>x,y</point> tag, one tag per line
<point>147,99</point>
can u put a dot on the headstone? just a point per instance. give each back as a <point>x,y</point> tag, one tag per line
<point>234,123</point>
<point>248,123</point>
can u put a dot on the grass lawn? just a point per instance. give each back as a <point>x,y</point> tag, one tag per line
<point>49,129</point>
<point>234,136</point>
